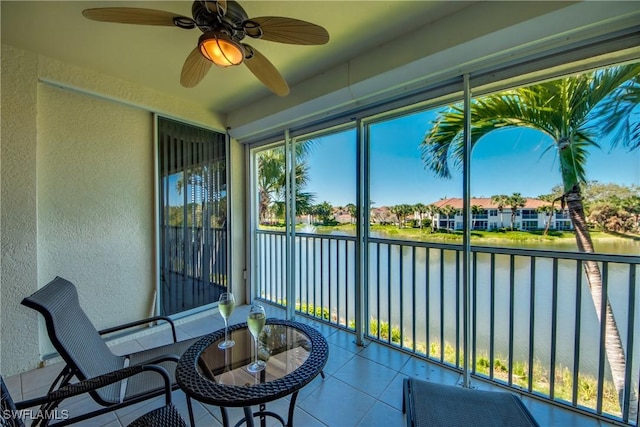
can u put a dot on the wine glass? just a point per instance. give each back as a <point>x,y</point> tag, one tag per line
<point>226,304</point>
<point>256,321</point>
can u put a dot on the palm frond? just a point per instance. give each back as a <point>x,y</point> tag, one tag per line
<point>616,116</point>
<point>564,109</point>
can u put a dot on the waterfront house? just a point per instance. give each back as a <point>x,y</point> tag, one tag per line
<point>490,216</point>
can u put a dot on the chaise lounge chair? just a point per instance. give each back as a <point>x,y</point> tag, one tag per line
<point>437,405</point>
<point>87,356</point>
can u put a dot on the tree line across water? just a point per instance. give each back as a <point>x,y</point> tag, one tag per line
<point>608,207</point>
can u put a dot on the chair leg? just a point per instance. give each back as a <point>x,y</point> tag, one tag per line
<point>405,393</point>
<point>192,421</point>
<point>225,416</point>
<point>64,377</point>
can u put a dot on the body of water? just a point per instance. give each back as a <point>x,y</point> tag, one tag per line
<point>420,289</point>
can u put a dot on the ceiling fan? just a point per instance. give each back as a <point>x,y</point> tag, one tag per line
<point>224,24</point>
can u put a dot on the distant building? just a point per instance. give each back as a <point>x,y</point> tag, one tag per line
<point>489,217</point>
<point>382,215</point>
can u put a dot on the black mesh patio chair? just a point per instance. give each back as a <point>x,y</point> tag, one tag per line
<point>86,354</point>
<point>437,405</point>
<point>14,414</point>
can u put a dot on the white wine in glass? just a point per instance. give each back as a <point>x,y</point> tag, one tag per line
<point>255,322</point>
<point>226,304</point>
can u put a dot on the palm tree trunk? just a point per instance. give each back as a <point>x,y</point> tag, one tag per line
<point>546,228</point>
<point>613,343</point>
<point>548,224</point>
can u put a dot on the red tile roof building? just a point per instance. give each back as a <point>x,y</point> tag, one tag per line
<point>528,217</point>
<point>486,203</point>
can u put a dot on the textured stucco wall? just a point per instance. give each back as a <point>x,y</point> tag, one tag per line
<point>95,203</point>
<point>18,249</point>
<point>77,194</point>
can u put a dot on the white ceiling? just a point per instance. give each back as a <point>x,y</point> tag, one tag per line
<point>377,49</point>
<point>153,56</point>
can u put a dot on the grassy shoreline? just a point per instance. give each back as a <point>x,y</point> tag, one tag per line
<point>498,367</point>
<point>477,236</point>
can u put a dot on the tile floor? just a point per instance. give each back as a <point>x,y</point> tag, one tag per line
<point>363,386</point>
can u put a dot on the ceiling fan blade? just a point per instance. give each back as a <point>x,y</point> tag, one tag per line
<point>264,70</point>
<point>194,69</point>
<point>133,15</point>
<point>285,30</point>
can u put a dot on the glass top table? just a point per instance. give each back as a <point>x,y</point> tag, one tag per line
<point>294,354</point>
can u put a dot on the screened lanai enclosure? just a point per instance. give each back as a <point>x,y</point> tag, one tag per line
<point>346,228</point>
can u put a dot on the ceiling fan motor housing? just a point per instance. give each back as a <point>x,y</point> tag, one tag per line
<point>208,19</point>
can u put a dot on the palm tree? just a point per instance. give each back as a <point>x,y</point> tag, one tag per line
<point>401,212</point>
<point>447,211</point>
<point>501,201</point>
<point>324,211</point>
<point>569,111</point>
<point>432,211</point>
<point>475,211</point>
<point>515,202</point>
<point>421,209</point>
<point>549,210</point>
<point>272,181</point>
<point>351,209</point>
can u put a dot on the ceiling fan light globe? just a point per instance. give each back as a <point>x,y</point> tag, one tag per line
<point>221,49</point>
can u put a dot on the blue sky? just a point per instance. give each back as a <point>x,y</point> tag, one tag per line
<point>504,162</point>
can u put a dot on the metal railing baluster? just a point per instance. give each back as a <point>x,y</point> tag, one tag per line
<point>603,335</point>
<point>401,293</point>
<point>390,301</point>
<point>427,274</point>
<point>378,285</point>
<point>413,298</point>
<point>492,316</point>
<point>512,287</point>
<point>442,305</point>
<point>577,329</point>
<point>474,311</point>
<point>458,308</point>
<point>532,320</point>
<point>628,380</point>
<point>554,329</point>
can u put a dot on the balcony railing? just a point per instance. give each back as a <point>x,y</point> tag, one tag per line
<point>534,325</point>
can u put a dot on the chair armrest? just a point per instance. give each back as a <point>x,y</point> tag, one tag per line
<point>164,358</point>
<point>95,383</point>
<point>141,322</point>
